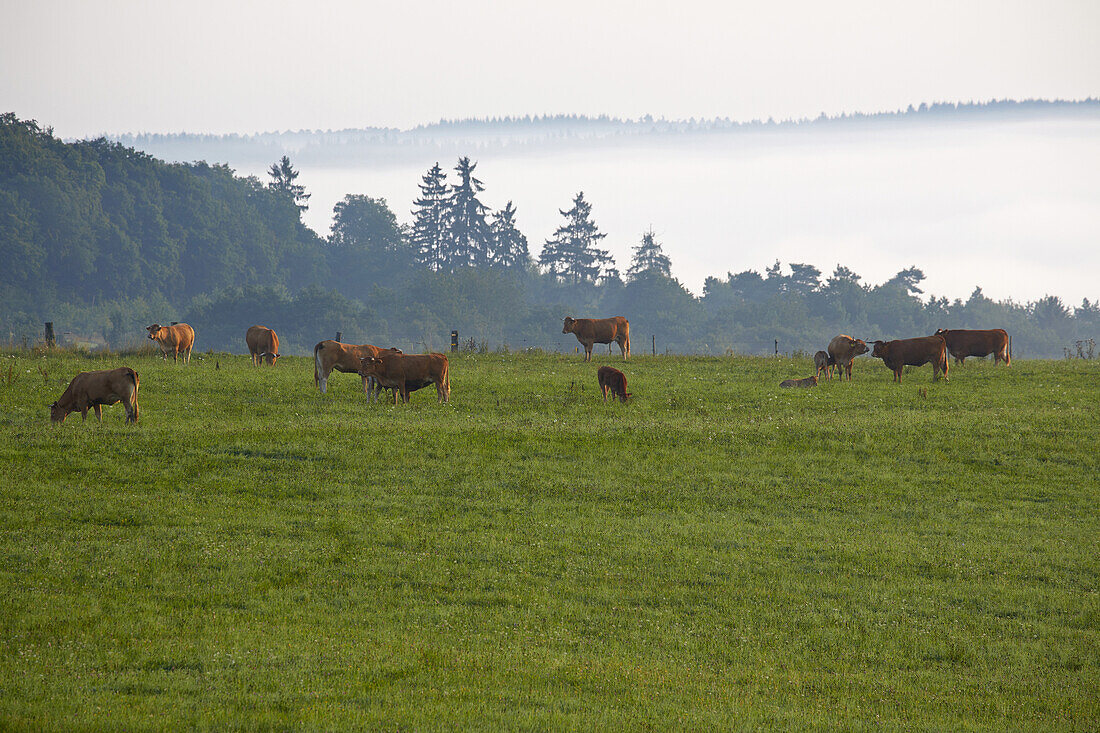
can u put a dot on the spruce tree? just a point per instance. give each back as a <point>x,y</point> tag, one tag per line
<point>571,255</point>
<point>282,180</point>
<point>468,233</point>
<point>649,259</point>
<point>509,245</point>
<point>429,229</point>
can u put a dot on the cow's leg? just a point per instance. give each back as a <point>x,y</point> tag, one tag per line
<point>98,412</point>
<point>84,414</point>
<point>365,383</point>
<point>604,388</point>
<point>588,351</point>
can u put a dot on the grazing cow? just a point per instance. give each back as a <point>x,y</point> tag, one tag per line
<point>329,355</point>
<point>405,373</point>
<point>843,350</point>
<point>913,352</point>
<point>823,363</point>
<point>92,390</point>
<point>591,331</point>
<point>807,382</point>
<point>178,339</point>
<point>263,345</point>
<point>613,381</point>
<point>963,343</point>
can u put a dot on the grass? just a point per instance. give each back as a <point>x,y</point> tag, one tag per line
<point>718,553</point>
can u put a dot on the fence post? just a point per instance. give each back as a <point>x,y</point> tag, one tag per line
<point>50,340</point>
<point>777,347</point>
<point>454,340</point>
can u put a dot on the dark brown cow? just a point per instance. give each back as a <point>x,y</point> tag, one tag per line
<point>843,350</point>
<point>913,352</point>
<point>807,382</point>
<point>591,331</point>
<point>263,345</point>
<point>613,381</point>
<point>405,373</point>
<point>92,390</point>
<point>329,355</point>
<point>178,339</point>
<point>963,343</point>
<point>823,363</point>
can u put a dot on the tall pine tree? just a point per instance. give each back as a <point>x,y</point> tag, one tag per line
<point>649,259</point>
<point>468,232</point>
<point>282,180</point>
<point>509,244</point>
<point>429,229</point>
<point>571,255</point>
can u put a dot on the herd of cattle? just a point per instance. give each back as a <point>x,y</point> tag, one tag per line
<point>405,373</point>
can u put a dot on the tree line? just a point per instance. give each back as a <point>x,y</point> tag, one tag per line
<point>103,239</point>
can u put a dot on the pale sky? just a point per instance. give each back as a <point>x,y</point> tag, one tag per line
<point>88,68</point>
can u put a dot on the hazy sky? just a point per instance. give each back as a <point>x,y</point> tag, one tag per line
<point>93,67</point>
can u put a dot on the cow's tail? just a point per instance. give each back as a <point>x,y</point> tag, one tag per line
<point>1005,356</point>
<point>317,363</point>
<point>134,396</point>
<point>446,381</point>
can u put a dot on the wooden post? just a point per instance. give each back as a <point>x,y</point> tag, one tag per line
<point>454,340</point>
<point>654,337</point>
<point>777,347</point>
<point>1009,347</point>
<point>51,341</point>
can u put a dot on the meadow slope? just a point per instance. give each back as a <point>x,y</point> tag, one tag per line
<point>718,553</point>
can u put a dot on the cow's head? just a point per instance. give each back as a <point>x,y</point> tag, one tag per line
<point>154,331</point>
<point>859,346</point>
<point>269,357</point>
<point>370,366</point>
<point>881,349</point>
<point>57,413</point>
<point>567,325</point>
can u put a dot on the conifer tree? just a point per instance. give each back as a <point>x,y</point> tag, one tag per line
<point>282,179</point>
<point>468,233</point>
<point>571,255</point>
<point>649,258</point>
<point>429,229</point>
<point>509,245</point>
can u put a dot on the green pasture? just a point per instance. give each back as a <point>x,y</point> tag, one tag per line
<point>717,554</point>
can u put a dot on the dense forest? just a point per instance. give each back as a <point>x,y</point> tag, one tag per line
<point>103,240</point>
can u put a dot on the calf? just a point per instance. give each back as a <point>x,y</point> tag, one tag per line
<point>178,339</point>
<point>823,363</point>
<point>913,352</point>
<point>95,389</point>
<point>807,382</point>
<point>613,381</point>
<point>405,373</point>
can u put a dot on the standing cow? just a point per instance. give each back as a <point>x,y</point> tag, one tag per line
<point>263,345</point>
<point>613,381</point>
<point>332,355</point>
<point>590,331</point>
<point>843,350</point>
<point>92,390</point>
<point>913,352</point>
<point>178,339</point>
<point>822,363</point>
<point>962,343</point>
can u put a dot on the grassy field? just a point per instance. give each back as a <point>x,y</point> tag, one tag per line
<point>717,554</point>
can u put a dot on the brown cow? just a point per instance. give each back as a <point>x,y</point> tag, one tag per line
<point>843,350</point>
<point>263,345</point>
<point>329,355</point>
<point>591,331</point>
<point>613,381</point>
<point>963,343</point>
<point>823,363</point>
<point>178,338</point>
<point>92,390</point>
<point>913,352</point>
<point>405,373</point>
<point>807,382</point>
